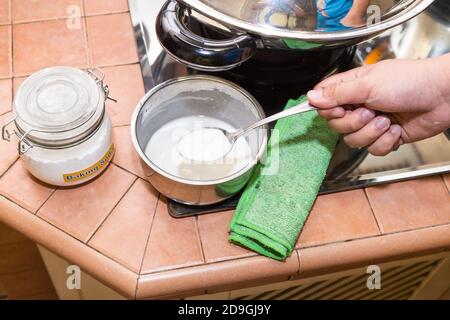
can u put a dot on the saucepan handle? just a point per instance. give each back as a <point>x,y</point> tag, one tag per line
<point>198,52</point>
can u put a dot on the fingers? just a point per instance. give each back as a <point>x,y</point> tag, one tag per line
<point>368,134</point>
<point>346,76</point>
<point>352,120</point>
<point>339,94</point>
<point>341,89</point>
<point>333,113</point>
<point>388,142</point>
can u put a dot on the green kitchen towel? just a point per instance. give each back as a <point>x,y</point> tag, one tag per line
<point>283,188</point>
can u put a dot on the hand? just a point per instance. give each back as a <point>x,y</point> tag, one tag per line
<point>396,101</point>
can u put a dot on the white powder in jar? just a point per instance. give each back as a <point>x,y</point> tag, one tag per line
<point>62,167</point>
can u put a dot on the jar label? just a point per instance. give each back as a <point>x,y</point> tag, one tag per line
<point>92,170</point>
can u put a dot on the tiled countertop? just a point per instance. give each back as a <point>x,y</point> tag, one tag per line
<point>117,227</point>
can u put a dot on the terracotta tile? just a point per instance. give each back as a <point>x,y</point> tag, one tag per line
<point>31,10</point>
<point>105,6</point>
<point>79,211</point>
<point>111,48</point>
<point>346,255</point>
<point>18,257</point>
<point>8,152</point>
<point>214,235</point>
<point>29,282</point>
<point>5,51</point>
<point>217,277</point>
<point>9,235</point>
<point>5,95</point>
<point>173,243</point>
<point>411,204</point>
<point>447,181</point>
<point>16,83</point>
<point>67,247</point>
<point>123,236</point>
<point>5,12</point>
<point>338,217</point>
<point>39,45</point>
<point>126,86</point>
<point>21,187</point>
<point>126,156</point>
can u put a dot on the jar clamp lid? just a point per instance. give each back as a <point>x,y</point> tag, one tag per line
<point>57,107</point>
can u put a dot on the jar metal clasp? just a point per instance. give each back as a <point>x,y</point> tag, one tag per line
<point>23,145</point>
<point>98,75</point>
<point>6,134</point>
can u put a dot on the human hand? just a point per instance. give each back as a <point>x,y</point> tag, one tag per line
<point>396,101</point>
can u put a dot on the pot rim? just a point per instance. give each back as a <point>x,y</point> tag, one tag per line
<point>415,8</point>
<point>170,176</point>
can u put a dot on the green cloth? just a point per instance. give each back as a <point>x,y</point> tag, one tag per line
<point>299,44</point>
<point>276,202</point>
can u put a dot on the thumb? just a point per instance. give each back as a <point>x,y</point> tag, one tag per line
<point>339,93</point>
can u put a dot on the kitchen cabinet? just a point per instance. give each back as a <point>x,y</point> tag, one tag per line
<point>426,277</point>
<point>90,289</point>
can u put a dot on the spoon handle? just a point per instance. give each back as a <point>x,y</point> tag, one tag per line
<point>300,108</point>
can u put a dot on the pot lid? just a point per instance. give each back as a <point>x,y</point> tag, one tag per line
<point>58,104</point>
<point>309,19</point>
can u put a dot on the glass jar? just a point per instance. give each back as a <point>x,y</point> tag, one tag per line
<point>63,128</point>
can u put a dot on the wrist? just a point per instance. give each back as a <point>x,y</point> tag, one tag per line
<point>441,65</point>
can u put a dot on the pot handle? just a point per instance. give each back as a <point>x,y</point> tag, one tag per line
<point>198,52</point>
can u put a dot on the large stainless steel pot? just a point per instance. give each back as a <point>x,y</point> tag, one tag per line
<point>249,25</point>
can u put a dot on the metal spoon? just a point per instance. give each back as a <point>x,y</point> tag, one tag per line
<point>233,136</point>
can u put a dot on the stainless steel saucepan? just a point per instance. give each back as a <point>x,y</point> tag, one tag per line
<point>205,96</point>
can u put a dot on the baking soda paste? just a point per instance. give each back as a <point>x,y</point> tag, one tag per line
<point>205,144</point>
<point>163,150</point>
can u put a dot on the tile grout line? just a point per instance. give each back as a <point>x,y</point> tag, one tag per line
<point>48,198</point>
<point>10,5</point>
<point>298,263</point>
<point>132,173</point>
<point>39,20</point>
<point>210,263</point>
<point>380,235</point>
<point>146,245</point>
<point>445,183</point>
<point>68,234</point>
<point>110,212</point>
<point>301,248</point>
<point>11,47</point>
<point>4,113</point>
<point>125,64</point>
<point>9,167</point>
<point>122,125</point>
<point>197,229</point>
<point>12,55</point>
<point>86,35</point>
<point>373,211</point>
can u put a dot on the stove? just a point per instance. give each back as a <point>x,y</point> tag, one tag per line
<point>273,86</point>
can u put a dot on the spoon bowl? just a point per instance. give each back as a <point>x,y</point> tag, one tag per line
<point>192,145</point>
